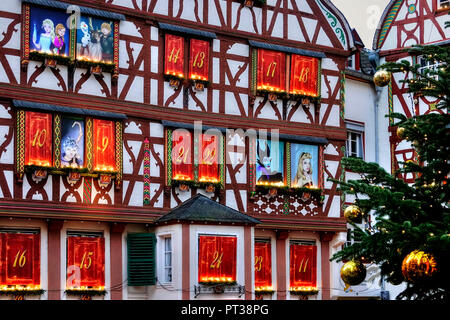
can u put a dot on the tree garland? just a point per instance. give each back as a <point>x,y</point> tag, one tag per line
<point>316,193</point>
<point>194,184</point>
<point>289,96</point>
<point>85,292</point>
<point>65,60</point>
<point>308,292</point>
<point>36,292</point>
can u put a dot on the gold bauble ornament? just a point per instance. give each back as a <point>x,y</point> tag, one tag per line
<point>418,266</point>
<point>401,133</point>
<point>353,214</point>
<point>353,273</point>
<point>382,78</point>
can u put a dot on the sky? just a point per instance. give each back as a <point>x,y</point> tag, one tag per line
<point>363,15</point>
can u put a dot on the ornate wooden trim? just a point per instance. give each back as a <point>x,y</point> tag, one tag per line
<point>119,154</point>
<point>147,197</point>
<point>89,144</point>
<point>20,144</point>
<point>168,156</point>
<point>57,141</point>
<point>25,34</point>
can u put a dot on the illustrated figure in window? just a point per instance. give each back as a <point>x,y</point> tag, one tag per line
<point>58,45</point>
<point>107,42</point>
<point>71,156</point>
<point>303,178</point>
<point>46,38</point>
<point>85,40</point>
<point>264,160</point>
<point>95,47</point>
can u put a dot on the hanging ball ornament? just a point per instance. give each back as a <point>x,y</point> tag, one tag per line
<point>382,78</point>
<point>418,266</point>
<point>353,273</point>
<point>401,133</point>
<point>353,214</point>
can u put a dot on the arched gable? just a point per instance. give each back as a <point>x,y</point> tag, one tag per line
<point>338,23</point>
<point>405,23</point>
<point>388,16</point>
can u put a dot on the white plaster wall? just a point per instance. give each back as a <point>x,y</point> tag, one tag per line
<point>171,291</point>
<point>47,79</point>
<point>14,6</point>
<point>360,106</point>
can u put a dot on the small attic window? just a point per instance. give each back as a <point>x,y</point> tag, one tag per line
<point>351,62</point>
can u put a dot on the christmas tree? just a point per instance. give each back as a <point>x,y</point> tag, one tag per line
<point>410,235</point>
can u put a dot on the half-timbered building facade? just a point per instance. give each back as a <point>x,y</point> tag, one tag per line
<point>172,149</point>
<point>404,24</point>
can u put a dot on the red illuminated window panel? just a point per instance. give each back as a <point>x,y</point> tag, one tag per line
<point>303,266</point>
<point>304,75</point>
<point>217,259</point>
<point>85,262</point>
<point>174,57</point>
<point>199,60</point>
<point>182,168</point>
<point>271,71</point>
<point>208,168</point>
<point>20,259</point>
<point>263,266</point>
<point>38,139</point>
<point>104,145</point>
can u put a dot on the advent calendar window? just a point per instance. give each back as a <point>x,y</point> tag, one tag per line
<point>51,33</point>
<point>20,260</point>
<point>68,144</point>
<point>186,57</point>
<point>85,262</point>
<point>263,266</point>
<point>217,259</point>
<point>194,159</point>
<point>284,73</point>
<point>302,266</point>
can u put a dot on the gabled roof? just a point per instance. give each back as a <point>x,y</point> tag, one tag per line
<point>202,209</point>
<point>367,63</point>
<point>357,38</point>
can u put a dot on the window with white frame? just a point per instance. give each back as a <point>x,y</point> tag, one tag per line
<point>427,65</point>
<point>352,238</point>
<point>167,277</point>
<point>354,146</point>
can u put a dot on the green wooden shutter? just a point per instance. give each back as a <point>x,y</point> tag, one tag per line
<point>141,259</point>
